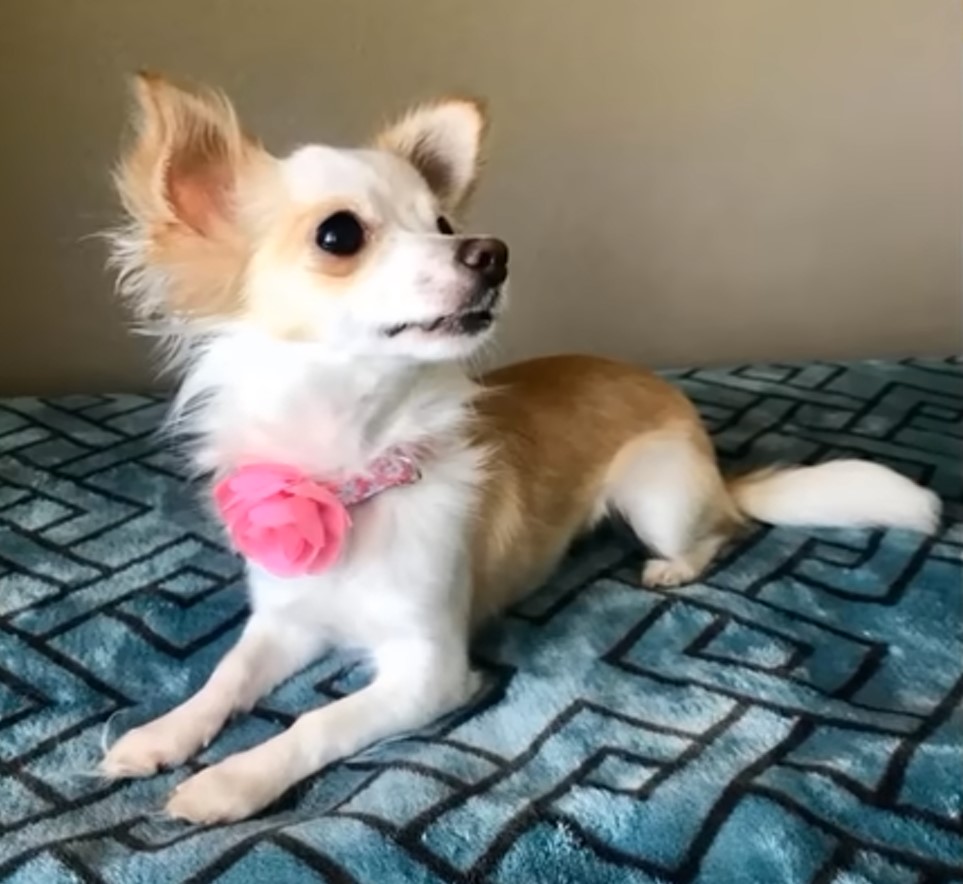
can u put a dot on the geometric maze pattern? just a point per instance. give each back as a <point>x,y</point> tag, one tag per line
<point>794,717</point>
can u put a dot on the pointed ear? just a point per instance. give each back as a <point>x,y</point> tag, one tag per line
<point>187,157</point>
<point>184,182</point>
<point>443,140</point>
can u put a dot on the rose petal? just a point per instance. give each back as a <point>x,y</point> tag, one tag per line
<point>325,556</point>
<point>337,529</point>
<point>282,520</point>
<point>274,556</point>
<point>258,481</point>
<point>307,516</point>
<point>248,539</point>
<point>337,521</point>
<point>302,558</point>
<point>274,512</point>
<point>314,491</point>
<point>251,484</point>
<point>225,498</point>
<point>288,542</point>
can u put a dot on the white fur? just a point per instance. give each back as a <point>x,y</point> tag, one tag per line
<point>842,493</point>
<point>400,590</point>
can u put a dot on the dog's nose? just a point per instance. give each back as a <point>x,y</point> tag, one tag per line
<point>487,256</point>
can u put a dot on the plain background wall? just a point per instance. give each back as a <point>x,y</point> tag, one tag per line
<point>681,181</point>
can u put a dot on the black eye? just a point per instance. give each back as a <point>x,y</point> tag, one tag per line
<point>443,226</point>
<point>341,234</point>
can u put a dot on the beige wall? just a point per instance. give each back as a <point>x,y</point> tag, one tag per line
<point>681,181</point>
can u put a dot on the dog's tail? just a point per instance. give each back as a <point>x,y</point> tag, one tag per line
<point>841,493</point>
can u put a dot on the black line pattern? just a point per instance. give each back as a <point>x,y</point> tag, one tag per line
<point>794,717</point>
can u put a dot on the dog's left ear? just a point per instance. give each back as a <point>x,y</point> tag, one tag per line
<point>443,140</point>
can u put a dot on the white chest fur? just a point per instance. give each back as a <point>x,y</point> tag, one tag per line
<point>405,567</point>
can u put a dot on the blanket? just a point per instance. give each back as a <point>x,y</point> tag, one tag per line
<point>795,716</point>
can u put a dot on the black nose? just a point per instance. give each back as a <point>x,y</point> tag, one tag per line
<point>487,256</point>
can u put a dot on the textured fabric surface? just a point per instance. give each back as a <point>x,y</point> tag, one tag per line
<point>793,717</point>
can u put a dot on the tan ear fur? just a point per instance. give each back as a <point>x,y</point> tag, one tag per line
<point>443,140</point>
<point>186,249</point>
<point>188,149</point>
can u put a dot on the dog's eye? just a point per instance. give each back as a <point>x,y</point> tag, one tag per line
<point>444,226</point>
<point>341,234</point>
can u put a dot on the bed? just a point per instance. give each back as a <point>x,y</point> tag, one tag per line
<point>793,717</point>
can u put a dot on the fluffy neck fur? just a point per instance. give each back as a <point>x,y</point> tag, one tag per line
<point>248,397</point>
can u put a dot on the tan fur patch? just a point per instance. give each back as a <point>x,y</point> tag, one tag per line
<point>295,237</point>
<point>556,428</point>
<point>291,244</point>
<point>182,182</point>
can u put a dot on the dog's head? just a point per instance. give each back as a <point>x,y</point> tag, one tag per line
<point>354,251</point>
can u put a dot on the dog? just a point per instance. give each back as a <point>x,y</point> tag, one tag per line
<point>322,309</point>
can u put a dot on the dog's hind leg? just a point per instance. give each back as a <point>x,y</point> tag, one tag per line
<point>668,487</point>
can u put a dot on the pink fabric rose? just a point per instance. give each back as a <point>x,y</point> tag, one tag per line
<point>281,519</point>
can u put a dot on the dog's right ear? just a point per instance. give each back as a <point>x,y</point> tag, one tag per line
<point>187,157</point>
<point>183,183</point>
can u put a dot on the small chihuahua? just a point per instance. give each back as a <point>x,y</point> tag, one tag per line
<point>322,307</point>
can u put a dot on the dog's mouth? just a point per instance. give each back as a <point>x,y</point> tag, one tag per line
<point>468,322</point>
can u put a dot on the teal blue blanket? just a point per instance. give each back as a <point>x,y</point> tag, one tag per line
<point>794,717</point>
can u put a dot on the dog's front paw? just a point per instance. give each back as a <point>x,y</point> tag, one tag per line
<point>145,750</point>
<point>229,791</point>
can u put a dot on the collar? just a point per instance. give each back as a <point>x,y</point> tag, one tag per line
<point>292,524</point>
<point>395,468</point>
